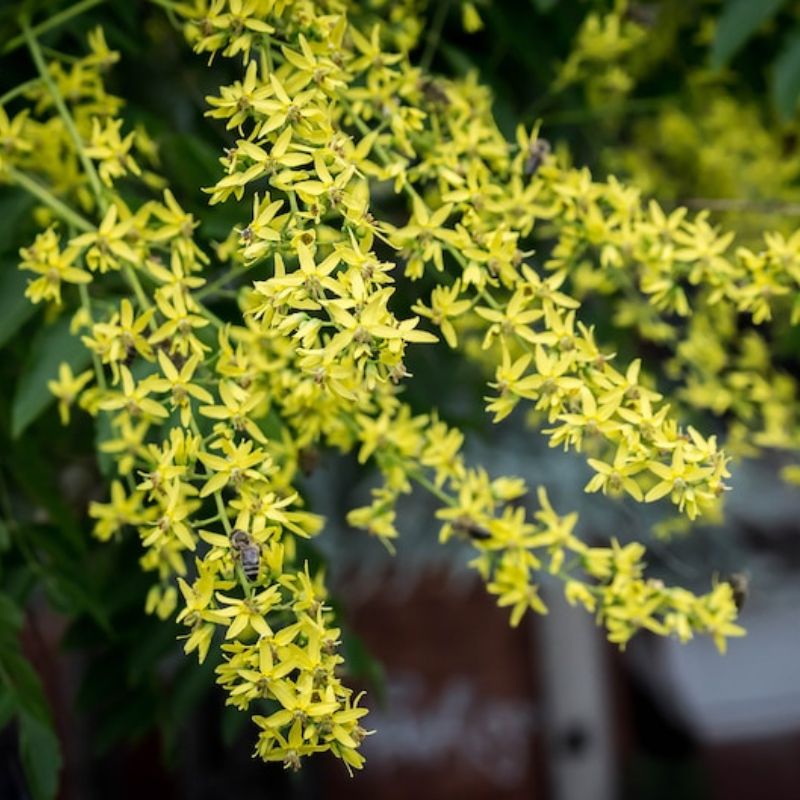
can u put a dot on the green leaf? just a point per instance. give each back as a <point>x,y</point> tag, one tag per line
<point>146,651</point>
<point>7,707</point>
<point>70,587</point>
<point>233,722</point>
<point>34,473</point>
<point>190,685</point>
<point>737,23</point>
<point>786,78</point>
<point>130,716</point>
<point>22,694</point>
<point>5,537</point>
<point>10,618</point>
<point>41,756</point>
<point>50,348</point>
<point>544,5</point>
<point>14,205</point>
<point>21,680</point>
<point>15,308</point>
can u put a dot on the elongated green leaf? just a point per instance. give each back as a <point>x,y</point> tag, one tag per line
<point>41,756</point>
<point>15,308</point>
<point>34,474</point>
<point>786,78</point>
<point>22,694</point>
<point>70,587</point>
<point>14,205</point>
<point>127,718</point>
<point>52,346</point>
<point>22,682</point>
<point>739,20</point>
<point>7,707</point>
<point>233,722</point>
<point>5,537</point>
<point>191,684</point>
<point>10,619</point>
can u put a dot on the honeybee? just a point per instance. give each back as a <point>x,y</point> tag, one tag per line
<point>248,553</point>
<point>130,354</point>
<point>642,14</point>
<point>537,152</point>
<point>434,92</point>
<point>740,584</point>
<point>308,460</point>
<point>246,235</point>
<point>472,529</point>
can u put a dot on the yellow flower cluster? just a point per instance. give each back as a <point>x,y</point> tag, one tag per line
<point>720,305</point>
<point>210,423</point>
<point>664,267</point>
<point>603,47</point>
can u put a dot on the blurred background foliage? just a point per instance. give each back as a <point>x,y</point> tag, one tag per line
<point>693,101</point>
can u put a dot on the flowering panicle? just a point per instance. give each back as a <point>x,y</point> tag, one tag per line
<point>212,422</point>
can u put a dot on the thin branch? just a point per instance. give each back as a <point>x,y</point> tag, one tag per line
<point>434,34</point>
<point>53,22</point>
<point>49,199</point>
<point>61,106</point>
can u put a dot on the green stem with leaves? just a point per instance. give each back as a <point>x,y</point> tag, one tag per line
<point>61,107</point>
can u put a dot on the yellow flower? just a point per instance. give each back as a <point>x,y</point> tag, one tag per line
<point>444,307</point>
<point>247,615</point>
<point>681,480</point>
<point>67,388</point>
<point>236,466</point>
<point>55,266</point>
<point>237,101</point>
<point>107,245</point>
<point>179,385</point>
<point>372,324</point>
<point>299,112</point>
<point>237,408</point>
<point>112,150</point>
<point>616,477</point>
<point>512,321</point>
<point>121,511</point>
<point>173,520</point>
<point>134,398</point>
<point>13,139</point>
<point>122,337</point>
<point>511,583</point>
